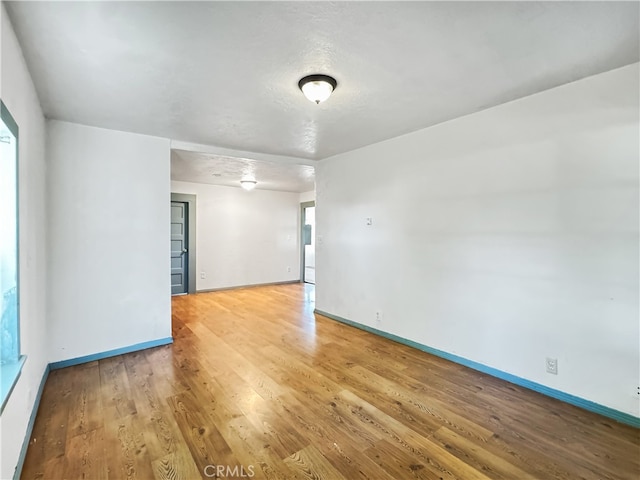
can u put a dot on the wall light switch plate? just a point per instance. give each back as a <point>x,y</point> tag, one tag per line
<point>552,365</point>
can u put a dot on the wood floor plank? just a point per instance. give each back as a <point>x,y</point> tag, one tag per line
<point>474,454</point>
<point>177,465</point>
<point>420,405</point>
<point>167,381</point>
<point>206,444</point>
<point>52,468</point>
<point>331,437</point>
<point>232,405</point>
<point>125,449</point>
<point>313,465</point>
<point>422,413</point>
<point>115,391</point>
<point>399,464</point>
<point>48,441</point>
<point>255,381</point>
<point>85,407</point>
<point>351,463</point>
<point>257,448</point>
<point>315,391</point>
<point>162,435</point>
<point>398,434</point>
<point>85,458</point>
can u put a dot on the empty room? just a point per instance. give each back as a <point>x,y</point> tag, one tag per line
<point>320,240</point>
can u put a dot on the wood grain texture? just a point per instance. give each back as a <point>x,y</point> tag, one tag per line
<point>257,386</point>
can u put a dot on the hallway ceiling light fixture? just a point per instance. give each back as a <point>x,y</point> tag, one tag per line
<point>317,88</point>
<point>248,185</point>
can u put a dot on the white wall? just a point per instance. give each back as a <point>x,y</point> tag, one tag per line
<point>244,238</point>
<point>308,196</point>
<point>19,95</point>
<point>504,237</point>
<point>109,229</point>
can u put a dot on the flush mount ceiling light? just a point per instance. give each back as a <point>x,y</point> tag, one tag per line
<point>317,88</point>
<point>248,184</point>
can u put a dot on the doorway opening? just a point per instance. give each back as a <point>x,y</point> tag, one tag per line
<point>308,260</point>
<point>183,241</point>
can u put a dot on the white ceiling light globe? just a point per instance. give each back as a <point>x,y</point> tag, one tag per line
<point>317,88</point>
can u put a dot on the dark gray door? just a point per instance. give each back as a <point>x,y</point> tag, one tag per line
<point>179,251</point>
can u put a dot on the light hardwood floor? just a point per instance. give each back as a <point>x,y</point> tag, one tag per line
<point>255,384</point>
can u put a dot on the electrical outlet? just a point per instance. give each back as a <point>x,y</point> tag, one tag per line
<point>552,365</point>
<point>289,269</point>
<point>369,221</point>
<point>378,317</point>
<point>203,275</point>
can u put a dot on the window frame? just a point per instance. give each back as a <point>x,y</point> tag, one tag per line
<point>10,372</point>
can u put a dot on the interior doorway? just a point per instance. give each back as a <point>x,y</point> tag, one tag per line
<point>308,260</point>
<point>183,251</point>
<point>179,248</point>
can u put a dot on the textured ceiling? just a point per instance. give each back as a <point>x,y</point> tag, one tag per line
<point>226,73</point>
<point>221,170</point>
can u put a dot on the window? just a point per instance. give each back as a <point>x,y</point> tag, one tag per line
<point>10,360</point>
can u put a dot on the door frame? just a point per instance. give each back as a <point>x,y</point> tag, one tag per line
<point>303,205</point>
<point>190,200</point>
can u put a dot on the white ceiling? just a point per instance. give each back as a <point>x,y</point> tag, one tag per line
<point>213,169</point>
<point>225,74</point>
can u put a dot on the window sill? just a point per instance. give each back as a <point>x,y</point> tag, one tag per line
<point>9,374</point>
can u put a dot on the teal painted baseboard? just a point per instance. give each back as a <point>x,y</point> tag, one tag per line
<point>110,353</point>
<point>621,417</point>
<point>32,421</point>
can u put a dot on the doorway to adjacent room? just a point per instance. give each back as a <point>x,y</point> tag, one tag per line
<point>308,222</point>
<point>183,252</point>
